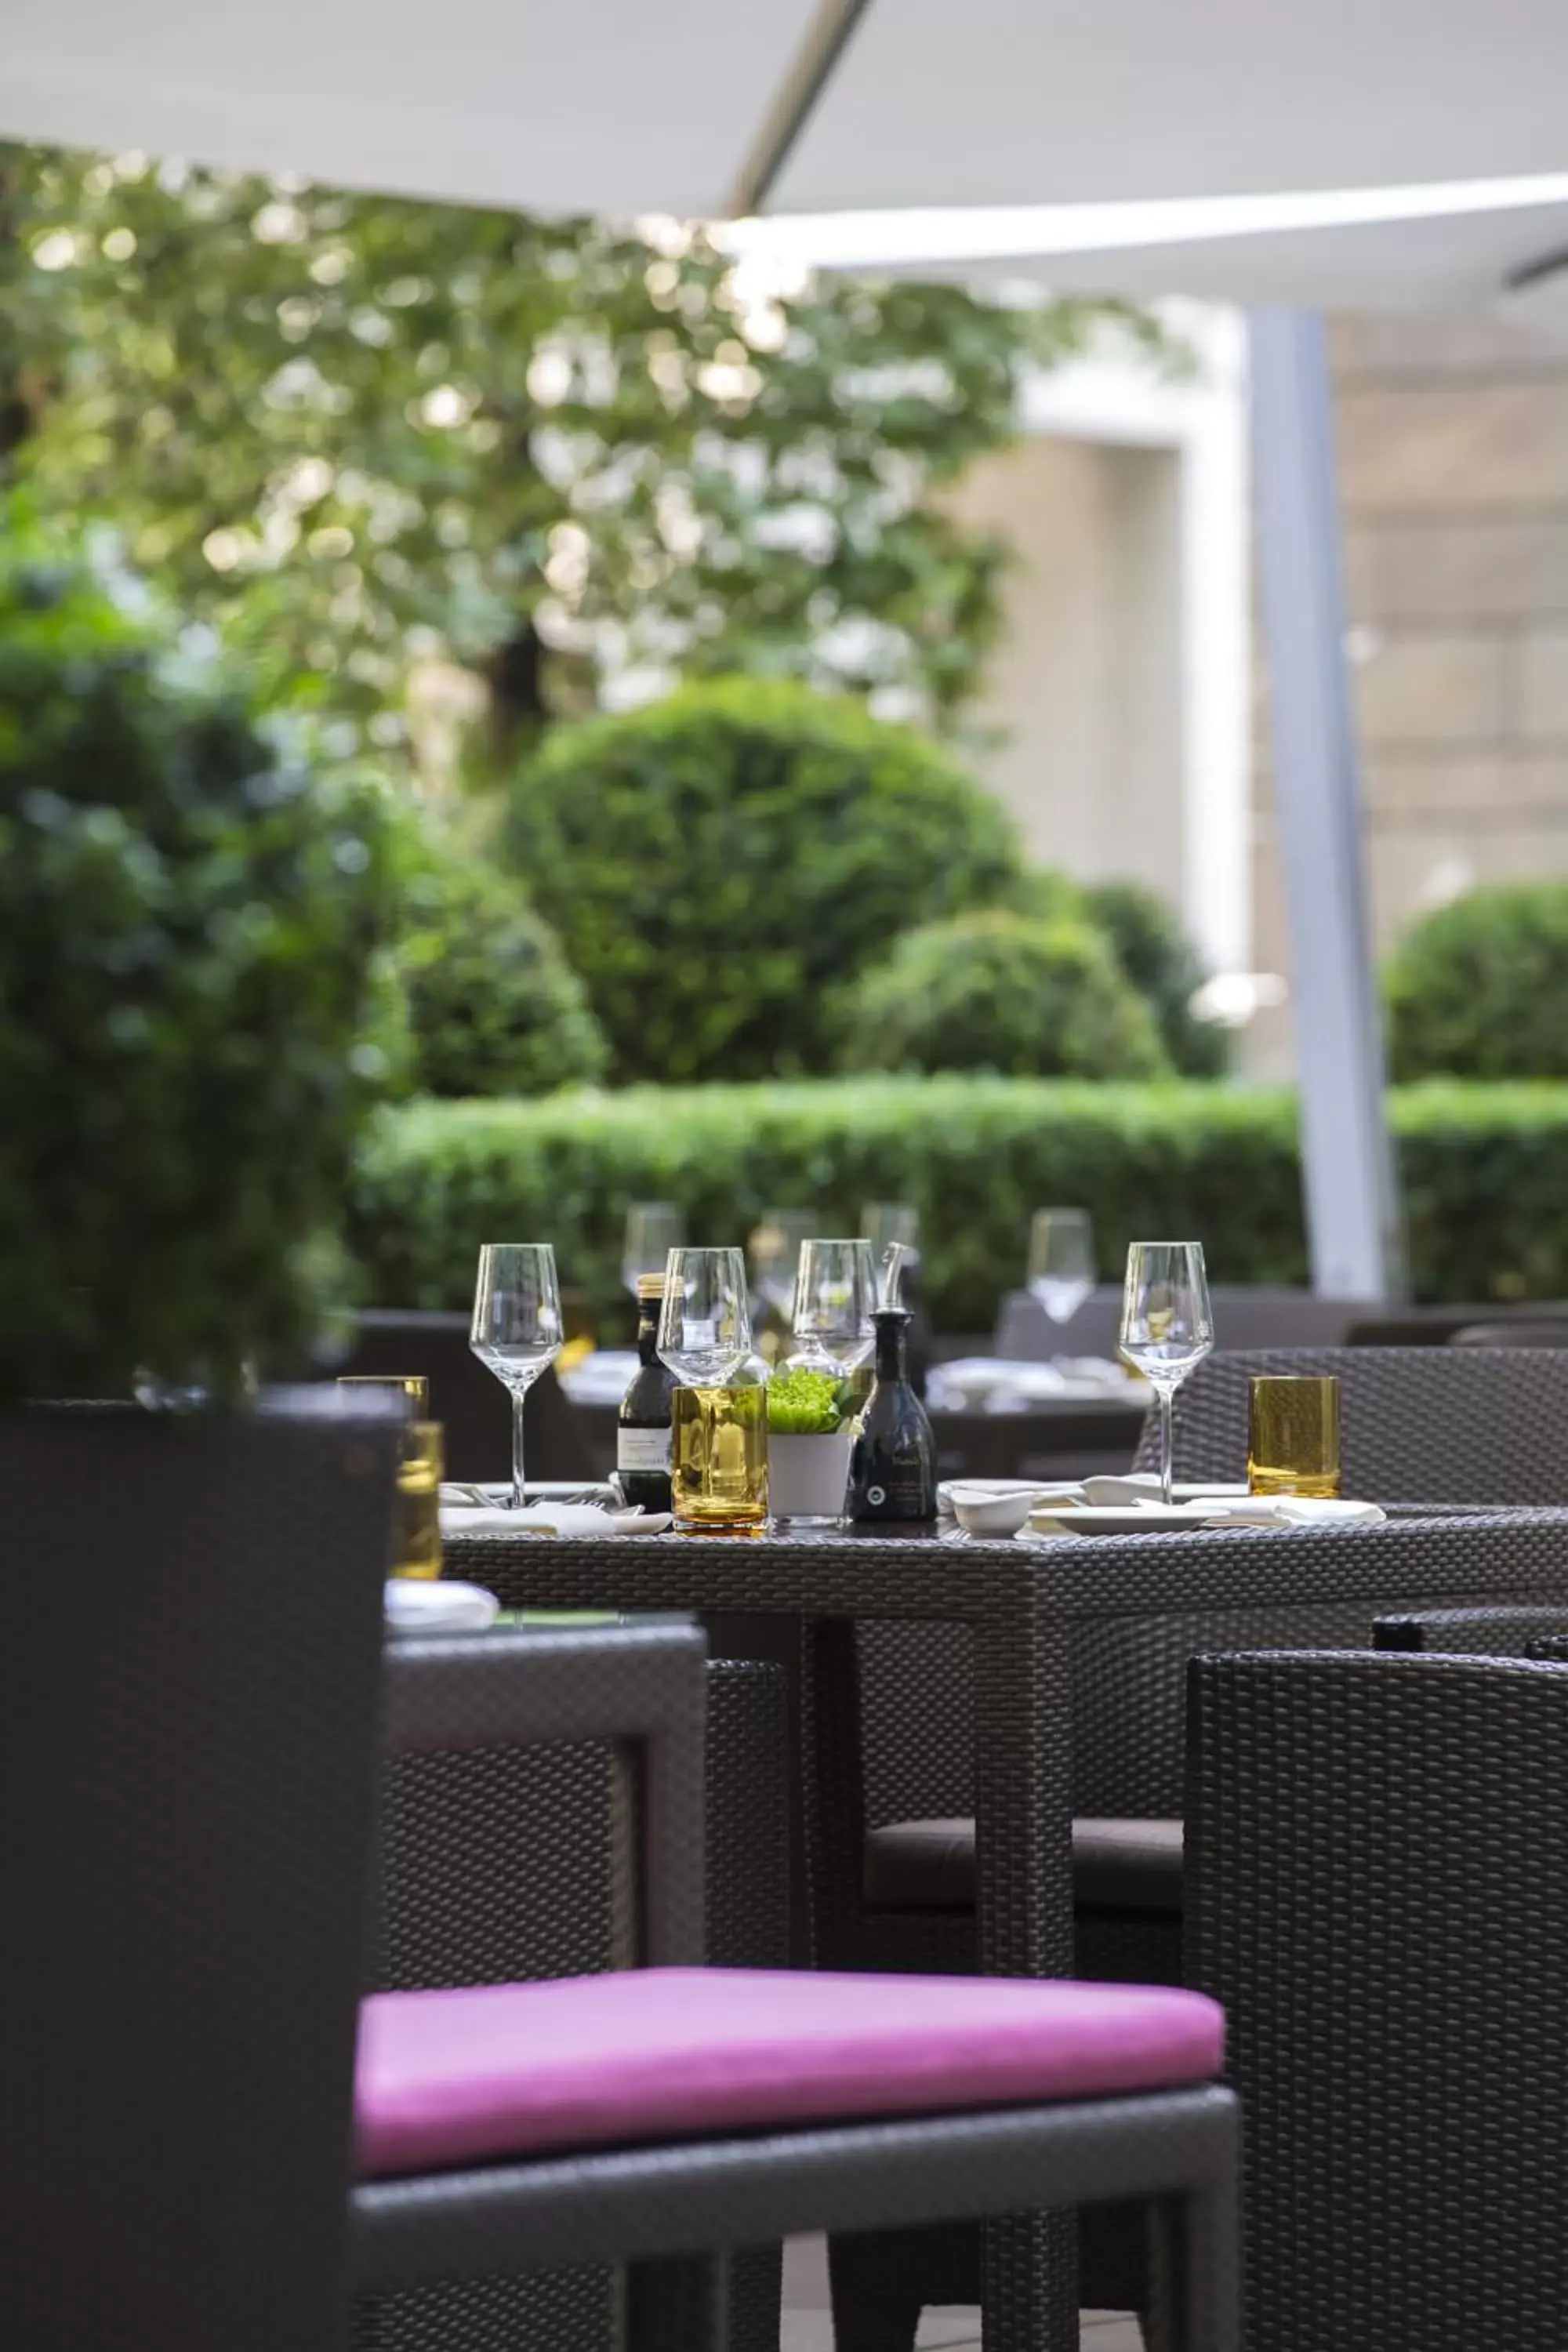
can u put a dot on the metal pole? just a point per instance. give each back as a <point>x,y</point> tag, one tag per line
<point>1352,1201</point>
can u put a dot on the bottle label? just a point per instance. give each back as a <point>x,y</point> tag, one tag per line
<point>643,1449</point>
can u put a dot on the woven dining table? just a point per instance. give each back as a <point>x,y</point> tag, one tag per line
<point>1026,1606</point>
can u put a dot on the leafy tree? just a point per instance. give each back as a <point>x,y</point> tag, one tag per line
<point>1007,992</point>
<point>1478,988</point>
<point>362,434</point>
<point>721,864</point>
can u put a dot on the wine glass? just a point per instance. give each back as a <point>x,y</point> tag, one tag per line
<point>705,1322</point>
<point>653,1229</point>
<point>890,1226</point>
<point>516,1330</point>
<point>775,1249</point>
<point>1167,1325</point>
<point>1061,1261</point>
<point>835,1299</point>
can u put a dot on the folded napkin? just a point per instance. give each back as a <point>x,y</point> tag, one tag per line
<point>546,1519</point>
<point>413,1606</point>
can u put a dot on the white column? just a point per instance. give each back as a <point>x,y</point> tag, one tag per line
<point>1352,1216</point>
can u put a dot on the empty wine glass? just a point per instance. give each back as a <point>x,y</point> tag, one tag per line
<point>516,1330</point>
<point>1061,1261</point>
<point>705,1322</point>
<point>890,1227</point>
<point>653,1229</point>
<point>835,1299</point>
<point>1167,1325</point>
<point>774,1250</point>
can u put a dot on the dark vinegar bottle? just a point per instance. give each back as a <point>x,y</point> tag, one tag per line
<point>892,1471</point>
<point>643,1434</point>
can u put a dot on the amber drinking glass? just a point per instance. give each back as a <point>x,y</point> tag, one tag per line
<point>1293,1446</point>
<point>719,1459</point>
<point>417,1520</point>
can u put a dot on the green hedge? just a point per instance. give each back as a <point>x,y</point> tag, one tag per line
<point>1484,1172</point>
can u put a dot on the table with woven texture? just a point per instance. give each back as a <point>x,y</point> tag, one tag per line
<point>1070,1644</point>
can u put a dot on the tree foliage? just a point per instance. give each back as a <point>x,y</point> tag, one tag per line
<point>721,863</point>
<point>190,938</point>
<point>363,434</point>
<point>1008,994</point>
<point>1479,989</point>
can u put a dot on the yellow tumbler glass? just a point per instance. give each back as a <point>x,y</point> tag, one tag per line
<point>416,1518</point>
<point>1293,1446</point>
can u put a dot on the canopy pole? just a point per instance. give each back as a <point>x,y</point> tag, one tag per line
<point>1352,1201</point>
<point>795,103</point>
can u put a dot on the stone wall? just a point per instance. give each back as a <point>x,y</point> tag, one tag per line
<point>1453,464</point>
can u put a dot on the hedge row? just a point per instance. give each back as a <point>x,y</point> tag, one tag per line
<point>1485,1172</point>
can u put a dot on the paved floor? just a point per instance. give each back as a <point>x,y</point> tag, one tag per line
<point>808,2326</point>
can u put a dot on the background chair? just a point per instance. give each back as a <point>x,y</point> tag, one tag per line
<point>470,1403</point>
<point>892,1831</point>
<point>1159,2130</point>
<point>503,1859</point>
<point>1244,1317</point>
<point>1419,1424</point>
<point>1532,1331</point>
<point>1470,1632</point>
<point>1376,1892</point>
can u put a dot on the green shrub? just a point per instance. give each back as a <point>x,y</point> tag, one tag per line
<point>1479,989</point>
<point>1482,1167</point>
<point>1161,962</point>
<point>721,862</point>
<point>1003,993</point>
<point>189,930</point>
<point>494,1007</point>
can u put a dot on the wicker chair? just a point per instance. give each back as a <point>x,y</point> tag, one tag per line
<point>492,1871</point>
<point>1086,2118</point>
<point>1466,1425</point>
<point>901,1899</point>
<point>1471,1632</point>
<point>1376,1893</point>
<point>187,1740</point>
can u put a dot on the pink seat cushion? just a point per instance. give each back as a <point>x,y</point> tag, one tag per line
<point>586,2062</point>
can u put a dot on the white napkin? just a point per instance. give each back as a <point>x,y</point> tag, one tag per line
<point>413,1606</point>
<point>1058,1496</point>
<point>546,1519</point>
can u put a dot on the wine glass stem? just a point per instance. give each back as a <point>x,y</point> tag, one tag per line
<point>517,1405</point>
<point>1167,1446</point>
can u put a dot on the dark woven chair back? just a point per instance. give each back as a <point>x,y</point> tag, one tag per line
<point>503,1861</point>
<point>1375,1893</point>
<point>187,1741</point>
<point>1419,1424</point>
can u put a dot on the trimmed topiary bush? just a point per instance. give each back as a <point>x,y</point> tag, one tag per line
<point>1481,1167</point>
<point>189,938</point>
<point>1161,962</point>
<point>1001,992</point>
<point>493,1004</point>
<point>1480,988</point>
<point>721,862</point>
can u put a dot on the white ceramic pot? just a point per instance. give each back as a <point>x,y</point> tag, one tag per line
<point>808,1476</point>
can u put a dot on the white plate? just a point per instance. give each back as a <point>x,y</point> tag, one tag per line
<point>1146,1519</point>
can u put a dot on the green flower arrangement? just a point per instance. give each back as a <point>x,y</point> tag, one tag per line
<point>803,1403</point>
